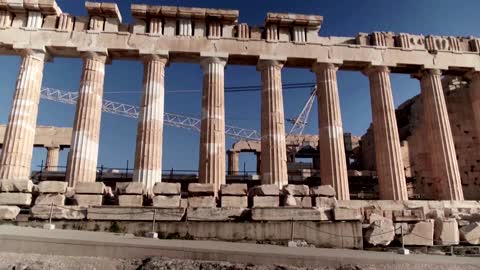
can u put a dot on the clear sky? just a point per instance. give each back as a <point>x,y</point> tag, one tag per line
<point>341,18</point>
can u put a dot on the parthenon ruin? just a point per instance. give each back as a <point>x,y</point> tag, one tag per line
<point>38,31</point>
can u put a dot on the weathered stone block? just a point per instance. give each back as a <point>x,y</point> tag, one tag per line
<point>130,188</point>
<point>278,214</point>
<point>446,231</point>
<point>234,201</point>
<point>298,201</point>
<point>266,201</point>
<point>215,214</point>
<point>69,212</point>
<point>347,214</point>
<point>52,187</point>
<point>417,214</point>
<point>130,200</point>
<point>325,202</point>
<point>380,232</point>
<point>81,23</point>
<point>325,190</point>
<point>89,188</point>
<point>296,190</point>
<point>9,212</point>
<point>201,201</point>
<point>264,190</point>
<point>167,201</point>
<point>195,189</point>
<point>135,213</point>
<point>16,185</point>
<point>48,199</point>
<point>471,233</point>
<point>88,199</point>
<point>420,234</point>
<point>15,198</point>
<point>234,189</point>
<point>166,188</point>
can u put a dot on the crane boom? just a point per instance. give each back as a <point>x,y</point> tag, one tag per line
<point>301,121</point>
<point>131,111</point>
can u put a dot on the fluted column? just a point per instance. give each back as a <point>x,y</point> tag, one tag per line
<point>474,90</point>
<point>211,167</point>
<point>389,163</point>
<point>148,154</point>
<point>333,166</point>
<point>445,173</point>
<point>233,162</point>
<point>16,157</point>
<point>83,157</point>
<point>53,155</point>
<point>273,168</point>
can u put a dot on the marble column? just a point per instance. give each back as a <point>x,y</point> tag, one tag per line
<point>389,162</point>
<point>83,156</point>
<point>53,155</point>
<point>474,90</point>
<point>333,166</point>
<point>445,172</point>
<point>148,155</point>
<point>258,166</point>
<point>211,168</point>
<point>16,157</point>
<point>233,162</point>
<point>273,168</point>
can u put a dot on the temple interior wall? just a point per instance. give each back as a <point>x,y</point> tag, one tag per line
<point>415,155</point>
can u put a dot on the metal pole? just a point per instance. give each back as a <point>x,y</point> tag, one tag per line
<point>153,220</point>
<point>401,231</point>
<point>292,230</point>
<point>51,213</point>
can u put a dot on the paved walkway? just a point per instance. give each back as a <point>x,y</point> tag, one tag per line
<point>100,244</point>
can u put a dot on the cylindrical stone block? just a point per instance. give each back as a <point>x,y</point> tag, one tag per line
<point>389,163</point>
<point>273,148</point>
<point>445,173</point>
<point>233,168</point>
<point>212,131</point>
<point>53,155</point>
<point>148,155</point>
<point>333,163</point>
<point>16,157</point>
<point>82,166</point>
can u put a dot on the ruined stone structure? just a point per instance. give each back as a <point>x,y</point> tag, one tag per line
<point>416,154</point>
<point>38,31</point>
<point>54,139</point>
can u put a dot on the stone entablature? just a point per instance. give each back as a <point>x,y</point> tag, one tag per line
<point>163,28</point>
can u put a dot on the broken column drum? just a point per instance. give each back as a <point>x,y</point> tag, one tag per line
<point>83,155</point>
<point>16,157</point>
<point>148,156</point>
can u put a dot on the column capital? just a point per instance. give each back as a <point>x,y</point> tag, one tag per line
<point>375,69</point>
<point>96,56</point>
<point>206,60</point>
<point>39,54</point>
<point>426,72</point>
<point>265,63</point>
<point>472,75</point>
<point>319,67</point>
<point>155,57</point>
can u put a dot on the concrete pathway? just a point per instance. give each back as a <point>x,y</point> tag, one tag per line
<point>100,244</point>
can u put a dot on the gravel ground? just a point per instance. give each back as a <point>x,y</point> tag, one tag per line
<point>15,261</point>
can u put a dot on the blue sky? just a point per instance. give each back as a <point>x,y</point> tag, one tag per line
<point>341,18</point>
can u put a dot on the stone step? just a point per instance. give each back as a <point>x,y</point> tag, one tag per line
<point>135,213</point>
